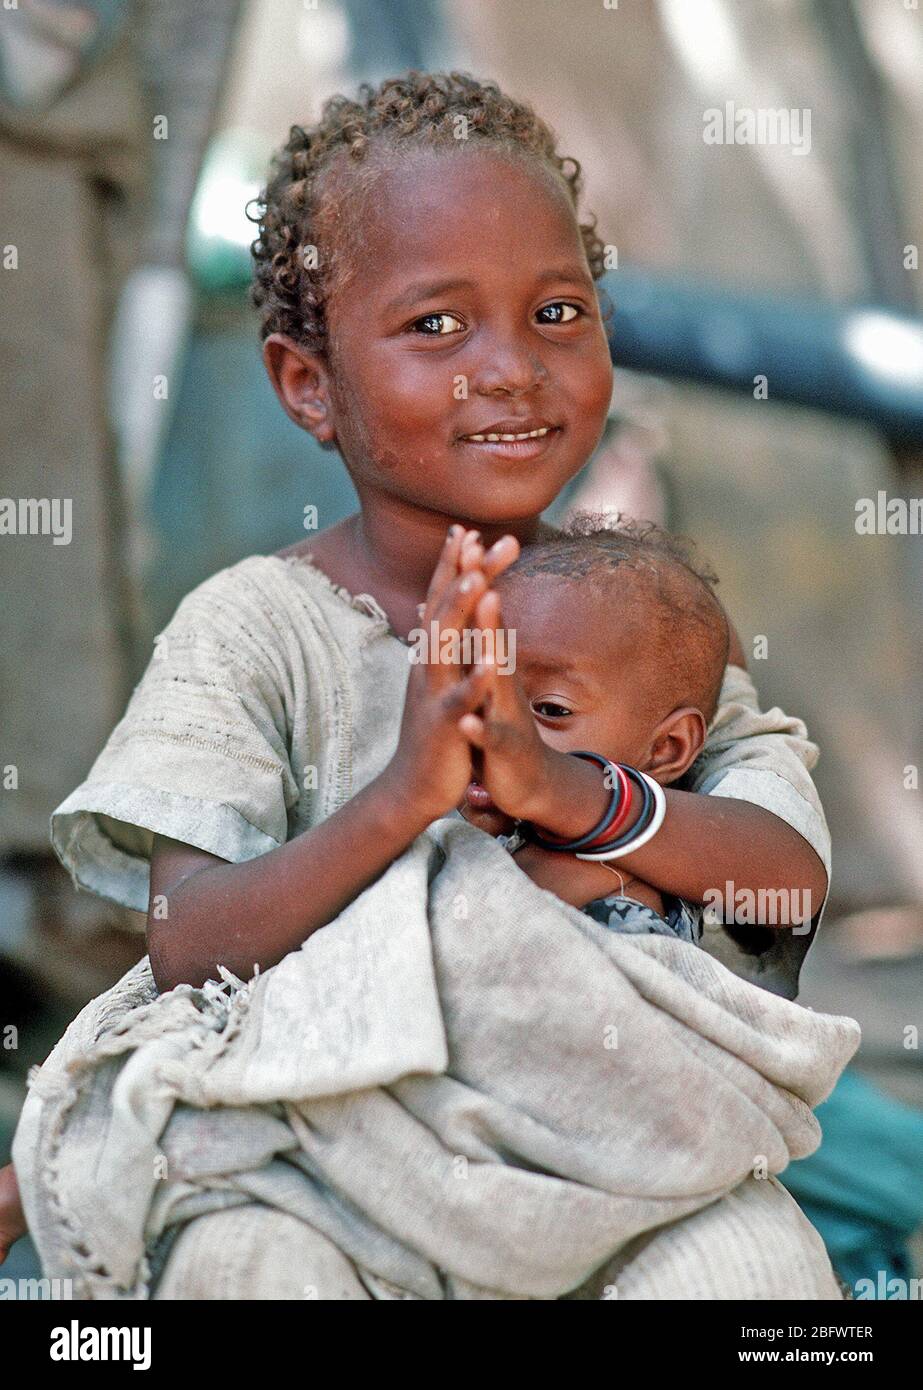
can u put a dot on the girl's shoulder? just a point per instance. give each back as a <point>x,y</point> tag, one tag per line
<point>260,590</point>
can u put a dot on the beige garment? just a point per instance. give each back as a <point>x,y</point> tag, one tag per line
<point>767,1244</point>
<point>253,1252</point>
<point>471,1088</point>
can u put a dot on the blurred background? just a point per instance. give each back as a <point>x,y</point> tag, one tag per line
<point>769,354</point>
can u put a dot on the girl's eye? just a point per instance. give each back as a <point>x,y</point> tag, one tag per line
<point>560,312</point>
<point>550,709</point>
<point>433,325</point>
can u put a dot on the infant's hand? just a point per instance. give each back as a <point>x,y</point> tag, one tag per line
<point>513,761</point>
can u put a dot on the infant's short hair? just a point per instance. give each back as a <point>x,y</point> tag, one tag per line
<point>688,629</point>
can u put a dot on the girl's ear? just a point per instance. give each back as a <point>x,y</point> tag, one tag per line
<point>301,380</point>
<point>676,744</point>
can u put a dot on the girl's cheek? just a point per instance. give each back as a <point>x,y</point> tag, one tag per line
<point>597,406</point>
<point>386,461</point>
<point>589,378</point>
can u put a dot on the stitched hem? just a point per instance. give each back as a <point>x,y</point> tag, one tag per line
<point>97,864</point>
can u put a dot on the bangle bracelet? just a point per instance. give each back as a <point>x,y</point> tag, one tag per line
<point>606,837</point>
<point>619,802</point>
<point>652,817</point>
<point>648,807</point>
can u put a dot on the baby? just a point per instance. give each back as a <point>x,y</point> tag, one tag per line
<point>620,648</point>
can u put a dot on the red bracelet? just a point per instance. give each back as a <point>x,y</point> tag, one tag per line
<point>621,814</point>
<point>613,828</point>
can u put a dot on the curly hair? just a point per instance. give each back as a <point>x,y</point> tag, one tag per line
<point>292,280</point>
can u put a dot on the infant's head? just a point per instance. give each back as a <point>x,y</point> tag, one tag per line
<point>620,646</point>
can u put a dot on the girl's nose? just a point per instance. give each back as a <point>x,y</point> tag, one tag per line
<point>509,371</point>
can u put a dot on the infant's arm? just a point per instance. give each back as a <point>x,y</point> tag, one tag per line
<point>709,840</point>
<point>753,817</point>
<point>579,881</point>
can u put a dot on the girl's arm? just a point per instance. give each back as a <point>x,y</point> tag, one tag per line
<point>204,911</point>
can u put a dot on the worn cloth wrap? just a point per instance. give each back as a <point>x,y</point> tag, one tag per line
<point>470,1088</point>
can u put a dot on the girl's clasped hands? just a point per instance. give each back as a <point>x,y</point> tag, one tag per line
<point>470,721</point>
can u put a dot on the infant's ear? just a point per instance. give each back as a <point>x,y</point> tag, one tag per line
<point>675,745</point>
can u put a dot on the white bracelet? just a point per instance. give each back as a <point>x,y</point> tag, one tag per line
<point>660,810</point>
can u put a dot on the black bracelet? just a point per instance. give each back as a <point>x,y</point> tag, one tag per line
<point>611,811</point>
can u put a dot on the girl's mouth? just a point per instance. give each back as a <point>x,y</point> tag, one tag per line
<point>510,444</point>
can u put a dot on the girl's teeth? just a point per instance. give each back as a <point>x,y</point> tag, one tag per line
<point>508,438</point>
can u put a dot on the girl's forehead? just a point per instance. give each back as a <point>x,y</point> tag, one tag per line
<point>439,207</point>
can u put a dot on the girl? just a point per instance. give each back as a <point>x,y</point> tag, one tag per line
<point>429,312</point>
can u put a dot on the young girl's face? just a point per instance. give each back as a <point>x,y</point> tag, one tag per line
<point>470,311</point>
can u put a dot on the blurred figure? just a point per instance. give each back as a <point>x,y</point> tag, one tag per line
<point>97,184</point>
<point>73,168</point>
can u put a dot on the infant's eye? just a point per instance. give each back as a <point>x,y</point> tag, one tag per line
<point>560,312</point>
<point>432,325</point>
<point>550,709</point>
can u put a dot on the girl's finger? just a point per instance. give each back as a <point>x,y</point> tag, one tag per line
<point>468,695</point>
<point>507,698</point>
<point>500,556</point>
<point>461,598</point>
<point>487,613</point>
<point>454,611</point>
<point>472,726</point>
<point>487,671</point>
<point>506,704</point>
<point>472,553</point>
<point>489,620</point>
<point>474,689</point>
<point>446,568</point>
